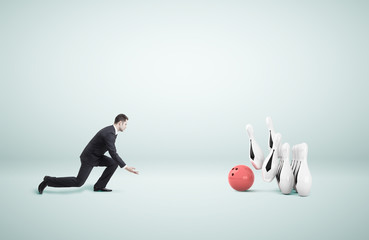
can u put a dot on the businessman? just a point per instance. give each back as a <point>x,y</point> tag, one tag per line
<point>92,156</point>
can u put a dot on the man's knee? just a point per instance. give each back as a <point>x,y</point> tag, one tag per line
<point>112,163</point>
<point>80,182</point>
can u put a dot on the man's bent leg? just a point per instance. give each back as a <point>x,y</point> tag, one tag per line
<point>108,172</point>
<point>78,181</point>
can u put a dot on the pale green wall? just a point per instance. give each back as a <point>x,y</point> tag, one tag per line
<point>189,75</point>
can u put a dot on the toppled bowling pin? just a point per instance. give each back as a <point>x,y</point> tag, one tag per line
<point>270,165</point>
<point>280,165</point>
<point>286,178</point>
<point>256,154</point>
<point>304,179</point>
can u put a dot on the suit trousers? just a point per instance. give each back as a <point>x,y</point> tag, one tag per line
<point>84,172</point>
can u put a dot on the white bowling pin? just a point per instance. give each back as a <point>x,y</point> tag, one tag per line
<point>272,133</point>
<point>280,164</point>
<point>270,165</point>
<point>293,158</point>
<point>256,154</point>
<point>286,178</point>
<point>294,164</point>
<point>271,130</point>
<point>304,179</point>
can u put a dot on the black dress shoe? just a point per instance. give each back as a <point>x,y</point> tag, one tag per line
<point>102,190</point>
<point>42,186</point>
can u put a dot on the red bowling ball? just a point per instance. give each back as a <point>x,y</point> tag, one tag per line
<point>241,178</point>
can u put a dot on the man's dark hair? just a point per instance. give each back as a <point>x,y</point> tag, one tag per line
<point>120,117</point>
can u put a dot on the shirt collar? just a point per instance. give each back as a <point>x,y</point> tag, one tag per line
<point>116,131</point>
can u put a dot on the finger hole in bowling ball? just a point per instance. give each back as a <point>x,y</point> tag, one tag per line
<point>236,168</point>
<point>232,174</point>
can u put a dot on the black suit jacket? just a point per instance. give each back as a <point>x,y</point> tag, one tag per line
<point>102,142</point>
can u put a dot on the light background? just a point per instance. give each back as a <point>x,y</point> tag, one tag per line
<point>190,75</point>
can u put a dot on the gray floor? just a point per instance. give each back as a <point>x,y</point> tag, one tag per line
<point>192,203</point>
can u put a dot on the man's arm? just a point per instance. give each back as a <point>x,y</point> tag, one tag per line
<point>110,144</point>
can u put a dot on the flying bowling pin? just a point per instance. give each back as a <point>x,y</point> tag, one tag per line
<point>272,133</point>
<point>256,154</point>
<point>286,178</point>
<point>270,165</point>
<point>304,179</point>
<point>271,130</point>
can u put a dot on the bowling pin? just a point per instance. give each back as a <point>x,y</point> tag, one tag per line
<point>294,164</point>
<point>256,154</point>
<point>304,179</point>
<point>280,164</point>
<point>286,178</point>
<point>272,133</point>
<point>271,130</point>
<point>293,158</point>
<point>270,165</point>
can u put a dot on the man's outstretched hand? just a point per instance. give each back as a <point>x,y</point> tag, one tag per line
<point>132,170</point>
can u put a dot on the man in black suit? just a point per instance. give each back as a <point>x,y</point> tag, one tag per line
<point>92,156</point>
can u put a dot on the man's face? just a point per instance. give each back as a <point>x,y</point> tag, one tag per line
<point>122,125</point>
